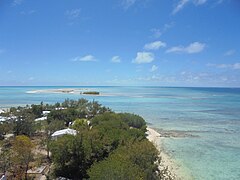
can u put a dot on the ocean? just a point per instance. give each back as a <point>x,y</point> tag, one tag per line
<point>209,116</point>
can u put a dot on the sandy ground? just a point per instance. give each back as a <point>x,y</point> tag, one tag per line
<point>78,91</point>
<point>174,170</point>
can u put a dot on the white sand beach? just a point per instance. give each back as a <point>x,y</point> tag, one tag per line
<point>174,170</point>
<point>78,91</point>
<point>82,92</point>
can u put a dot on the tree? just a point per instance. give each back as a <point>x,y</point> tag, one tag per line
<point>115,147</point>
<point>116,167</point>
<point>131,161</point>
<point>24,126</point>
<point>37,109</point>
<point>69,157</point>
<point>143,154</point>
<point>94,108</point>
<point>80,124</point>
<point>51,128</point>
<point>133,120</point>
<point>5,128</point>
<point>22,154</point>
<point>5,156</point>
<point>66,115</point>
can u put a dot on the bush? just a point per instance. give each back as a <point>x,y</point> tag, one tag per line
<point>133,120</point>
<point>115,167</point>
<point>134,161</point>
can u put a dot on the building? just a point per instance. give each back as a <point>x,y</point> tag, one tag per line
<point>2,118</point>
<point>45,113</point>
<point>3,177</point>
<point>41,119</point>
<point>62,132</point>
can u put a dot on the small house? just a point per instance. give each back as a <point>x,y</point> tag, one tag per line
<point>62,132</point>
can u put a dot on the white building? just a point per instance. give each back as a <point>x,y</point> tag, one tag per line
<point>11,117</point>
<point>62,132</point>
<point>41,119</point>
<point>4,177</point>
<point>45,113</point>
<point>2,119</point>
<point>60,108</point>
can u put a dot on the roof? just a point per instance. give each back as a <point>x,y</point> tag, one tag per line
<point>41,119</point>
<point>3,118</point>
<point>46,112</point>
<point>64,131</point>
<point>60,108</point>
<point>38,170</point>
<point>3,177</point>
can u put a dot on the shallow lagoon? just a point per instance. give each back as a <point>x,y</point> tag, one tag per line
<point>210,114</point>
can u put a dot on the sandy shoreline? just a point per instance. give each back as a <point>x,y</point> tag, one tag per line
<point>81,91</point>
<point>77,91</point>
<point>62,90</point>
<point>173,168</point>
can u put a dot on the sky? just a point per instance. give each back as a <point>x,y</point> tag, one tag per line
<point>120,42</point>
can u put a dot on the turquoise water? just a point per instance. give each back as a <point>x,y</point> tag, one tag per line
<point>211,113</point>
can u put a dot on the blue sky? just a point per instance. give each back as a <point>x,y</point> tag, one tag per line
<point>120,42</point>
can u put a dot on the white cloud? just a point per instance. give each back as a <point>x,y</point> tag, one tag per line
<point>154,45</point>
<point>128,3</point>
<point>168,26</point>
<point>153,68</point>
<point>17,2</point>
<point>179,6</point>
<point>183,73</point>
<point>220,1</point>
<point>158,32</point>
<point>116,59</point>
<point>229,52</point>
<point>182,3</point>
<point>73,14</point>
<point>200,2</point>
<point>31,78</point>
<point>195,47</point>
<point>157,78</point>
<point>223,65</point>
<point>27,12</point>
<point>143,57</point>
<point>235,66</point>
<point>87,58</point>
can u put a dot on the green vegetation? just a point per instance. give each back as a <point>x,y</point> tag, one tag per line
<point>22,154</point>
<point>91,93</point>
<point>80,124</point>
<point>16,156</point>
<point>110,150</point>
<point>133,120</point>
<point>108,145</point>
<point>132,161</point>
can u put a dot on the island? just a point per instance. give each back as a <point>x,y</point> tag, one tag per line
<point>78,139</point>
<point>80,91</point>
<point>91,93</point>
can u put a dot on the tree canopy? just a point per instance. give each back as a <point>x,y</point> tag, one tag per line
<point>108,145</point>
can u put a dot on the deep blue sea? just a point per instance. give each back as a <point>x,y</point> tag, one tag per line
<point>212,114</point>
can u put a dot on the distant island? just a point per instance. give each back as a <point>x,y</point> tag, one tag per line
<point>91,93</point>
<point>78,139</point>
<point>81,91</point>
